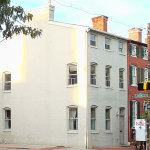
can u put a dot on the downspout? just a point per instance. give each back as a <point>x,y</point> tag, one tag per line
<point>86,55</point>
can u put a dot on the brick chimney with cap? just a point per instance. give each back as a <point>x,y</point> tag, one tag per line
<point>135,34</point>
<point>147,40</point>
<point>100,23</point>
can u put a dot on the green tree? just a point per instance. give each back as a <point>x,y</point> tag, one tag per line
<point>12,21</point>
<point>145,115</point>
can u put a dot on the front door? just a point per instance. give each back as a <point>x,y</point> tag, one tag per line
<point>121,125</point>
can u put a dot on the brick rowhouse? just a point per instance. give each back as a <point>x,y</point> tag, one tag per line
<point>136,36</point>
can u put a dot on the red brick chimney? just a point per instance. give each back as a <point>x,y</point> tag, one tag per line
<point>147,40</point>
<point>135,34</point>
<point>100,23</point>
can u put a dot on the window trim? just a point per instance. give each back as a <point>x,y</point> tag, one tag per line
<point>68,75</point>
<point>95,41</point>
<point>68,119</point>
<point>7,119</point>
<point>122,70</point>
<point>5,82</point>
<point>121,52</point>
<point>93,75</point>
<point>134,49</point>
<point>95,119</point>
<point>109,76</point>
<point>145,56</point>
<point>108,108</point>
<point>135,112</point>
<point>134,77</point>
<point>107,44</point>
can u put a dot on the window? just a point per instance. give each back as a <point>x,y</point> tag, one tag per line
<point>6,81</point>
<point>144,53</point>
<point>72,78</point>
<point>107,118</point>
<point>107,43</point>
<point>120,47</point>
<point>93,117</point>
<point>93,73</point>
<point>7,118</point>
<point>121,78</point>
<point>92,40</point>
<point>133,75</point>
<point>134,50</point>
<point>134,112</point>
<point>73,118</point>
<point>145,105</point>
<point>107,76</point>
<point>144,74</point>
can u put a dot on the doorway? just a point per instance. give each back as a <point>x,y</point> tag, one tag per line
<point>121,125</point>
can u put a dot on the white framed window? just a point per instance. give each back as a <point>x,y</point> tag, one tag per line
<point>72,117</point>
<point>108,118</point>
<point>121,78</point>
<point>72,74</point>
<point>134,75</point>
<point>107,43</point>
<point>93,73</point>
<point>145,103</point>
<point>93,40</point>
<point>145,53</point>
<point>93,117</point>
<point>7,118</point>
<point>133,50</point>
<point>120,47</point>
<point>145,74</point>
<point>6,81</point>
<point>134,112</point>
<point>107,76</point>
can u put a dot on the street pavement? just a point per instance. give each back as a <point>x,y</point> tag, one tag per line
<point>48,147</point>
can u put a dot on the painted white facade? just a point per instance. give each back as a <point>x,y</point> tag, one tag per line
<point>39,96</point>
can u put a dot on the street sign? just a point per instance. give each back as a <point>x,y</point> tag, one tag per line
<point>141,130</point>
<point>140,95</point>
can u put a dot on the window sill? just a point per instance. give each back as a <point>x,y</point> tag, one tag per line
<point>122,54</point>
<point>72,132</point>
<point>7,130</point>
<point>135,85</point>
<point>93,46</point>
<point>95,86</point>
<point>108,88</point>
<point>134,56</point>
<point>6,91</point>
<point>145,58</point>
<point>108,132</point>
<point>94,132</point>
<point>108,50</point>
<point>73,85</point>
<point>122,89</point>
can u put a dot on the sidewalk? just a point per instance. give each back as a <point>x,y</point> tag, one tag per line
<point>48,147</point>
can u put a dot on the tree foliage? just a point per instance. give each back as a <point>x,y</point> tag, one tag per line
<point>145,115</point>
<point>12,21</point>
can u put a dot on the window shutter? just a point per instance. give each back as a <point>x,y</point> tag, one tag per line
<point>130,75</point>
<point>131,107</point>
<point>138,111</point>
<point>142,52</point>
<point>130,51</point>
<point>142,74</point>
<point>137,51</point>
<point>138,75</point>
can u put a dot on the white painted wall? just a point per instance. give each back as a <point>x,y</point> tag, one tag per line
<point>40,95</point>
<point>101,96</point>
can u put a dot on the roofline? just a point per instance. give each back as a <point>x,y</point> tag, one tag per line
<point>137,42</point>
<point>109,34</point>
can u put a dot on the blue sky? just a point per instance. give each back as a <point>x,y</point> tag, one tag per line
<point>122,14</point>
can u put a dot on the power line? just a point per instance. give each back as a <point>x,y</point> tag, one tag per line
<point>67,4</point>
